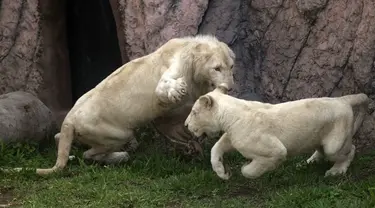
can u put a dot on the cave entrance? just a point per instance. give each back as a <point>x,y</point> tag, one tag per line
<point>93,45</point>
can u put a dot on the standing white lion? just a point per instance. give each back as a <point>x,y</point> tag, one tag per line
<point>139,91</point>
<point>268,133</point>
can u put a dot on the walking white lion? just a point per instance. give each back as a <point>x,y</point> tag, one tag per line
<point>139,91</point>
<point>268,133</point>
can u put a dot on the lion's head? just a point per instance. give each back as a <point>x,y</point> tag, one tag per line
<point>212,61</point>
<point>201,119</point>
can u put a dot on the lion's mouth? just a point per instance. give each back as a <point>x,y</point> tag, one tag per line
<point>202,134</point>
<point>211,86</point>
<point>198,133</point>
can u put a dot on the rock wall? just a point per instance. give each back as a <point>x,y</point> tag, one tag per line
<point>33,52</point>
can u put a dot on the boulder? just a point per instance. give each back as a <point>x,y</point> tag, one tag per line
<point>24,118</point>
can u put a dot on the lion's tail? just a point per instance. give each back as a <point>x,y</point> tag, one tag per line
<point>361,101</point>
<point>65,143</point>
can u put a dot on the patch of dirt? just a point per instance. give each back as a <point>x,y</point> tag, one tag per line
<point>173,204</point>
<point>242,191</point>
<point>6,196</point>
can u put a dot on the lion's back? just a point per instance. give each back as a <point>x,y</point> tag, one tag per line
<point>126,95</point>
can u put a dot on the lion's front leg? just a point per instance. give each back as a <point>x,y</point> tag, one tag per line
<point>172,86</point>
<point>222,146</point>
<point>171,90</point>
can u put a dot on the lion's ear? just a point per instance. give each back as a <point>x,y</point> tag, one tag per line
<point>201,47</point>
<point>206,101</point>
<point>223,88</point>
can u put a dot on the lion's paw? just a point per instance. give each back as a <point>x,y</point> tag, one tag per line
<point>221,171</point>
<point>312,160</point>
<point>335,171</point>
<point>177,90</point>
<point>316,157</point>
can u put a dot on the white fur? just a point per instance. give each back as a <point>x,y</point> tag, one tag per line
<point>268,133</point>
<point>139,91</point>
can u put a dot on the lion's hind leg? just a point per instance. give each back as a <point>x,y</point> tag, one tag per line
<point>107,145</point>
<point>106,155</point>
<point>342,160</point>
<point>338,148</point>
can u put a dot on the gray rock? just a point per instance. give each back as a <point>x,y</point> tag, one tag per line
<point>24,118</point>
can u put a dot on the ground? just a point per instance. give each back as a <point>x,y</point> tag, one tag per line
<point>159,177</point>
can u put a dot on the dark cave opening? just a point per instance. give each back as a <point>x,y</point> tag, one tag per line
<point>93,45</point>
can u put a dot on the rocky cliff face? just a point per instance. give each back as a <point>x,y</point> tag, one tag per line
<point>33,52</point>
<point>285,49</point>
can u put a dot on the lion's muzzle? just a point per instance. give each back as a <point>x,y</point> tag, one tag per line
<point>195,131</point>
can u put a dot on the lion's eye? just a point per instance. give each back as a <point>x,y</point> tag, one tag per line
<point>217,69</point>
<point>231,67</point>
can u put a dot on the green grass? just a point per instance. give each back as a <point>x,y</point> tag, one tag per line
<point>159,177</point>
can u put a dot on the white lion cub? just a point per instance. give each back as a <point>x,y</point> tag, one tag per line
<point>268,133</point>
